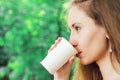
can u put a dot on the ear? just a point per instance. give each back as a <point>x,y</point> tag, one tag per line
<point>107,36</point>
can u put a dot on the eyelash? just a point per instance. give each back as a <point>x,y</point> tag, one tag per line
<point>77,28</point>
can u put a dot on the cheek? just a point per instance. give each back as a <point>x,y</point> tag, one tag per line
<point>93,45</point>
<point>100,50</point>
<point>85,38</point>
<point>93,53</point>
<point>90,39</point>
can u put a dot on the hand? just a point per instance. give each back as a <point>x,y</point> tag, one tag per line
<point>64,72</point>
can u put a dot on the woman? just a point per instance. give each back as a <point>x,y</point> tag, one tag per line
<point>95,33</point>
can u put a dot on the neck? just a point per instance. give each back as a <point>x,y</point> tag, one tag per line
<point>107,70</point>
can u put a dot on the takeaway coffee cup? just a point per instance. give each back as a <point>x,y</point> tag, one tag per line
<point>58,56</point>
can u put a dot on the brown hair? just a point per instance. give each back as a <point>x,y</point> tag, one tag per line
<point>107,14</point>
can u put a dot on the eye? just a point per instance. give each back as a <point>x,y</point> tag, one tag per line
<point>77,28</point>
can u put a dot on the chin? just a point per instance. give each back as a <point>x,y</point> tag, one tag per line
<point>85,62</point>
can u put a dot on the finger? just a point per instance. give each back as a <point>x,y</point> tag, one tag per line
<point>51,48</point>
<point>68,65</point>
<point>55,44</point>
<point>58,40</point>
<point>70,62</point>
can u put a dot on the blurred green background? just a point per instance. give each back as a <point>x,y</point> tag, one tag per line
<point>27,30</point>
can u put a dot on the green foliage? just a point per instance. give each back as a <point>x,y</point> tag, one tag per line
<point>27,29</point>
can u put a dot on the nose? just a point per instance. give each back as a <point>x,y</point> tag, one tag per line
<point>73,41</point>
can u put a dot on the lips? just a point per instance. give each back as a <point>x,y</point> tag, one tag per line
<point>78,54</point>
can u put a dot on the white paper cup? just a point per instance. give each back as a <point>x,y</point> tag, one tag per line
<point>58,56</point>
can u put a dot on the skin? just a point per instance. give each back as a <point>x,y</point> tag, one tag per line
<point>90,40</point>
<point>64,72</point>
<point>88,37</point>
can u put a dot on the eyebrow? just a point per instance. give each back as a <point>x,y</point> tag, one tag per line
<point>73,24</point>
<point>76,23</point>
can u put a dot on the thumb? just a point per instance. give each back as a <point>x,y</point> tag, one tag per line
<point>71,61</point>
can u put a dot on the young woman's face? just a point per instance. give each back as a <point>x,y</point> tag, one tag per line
<point>87,37</point>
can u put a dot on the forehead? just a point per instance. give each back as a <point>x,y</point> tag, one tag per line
<point>76,15</point>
